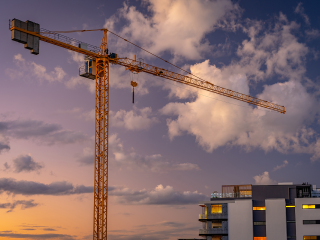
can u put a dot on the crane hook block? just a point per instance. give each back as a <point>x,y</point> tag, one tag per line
<point>134,84</point>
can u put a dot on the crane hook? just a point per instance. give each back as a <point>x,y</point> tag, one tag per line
<point>133,84</point>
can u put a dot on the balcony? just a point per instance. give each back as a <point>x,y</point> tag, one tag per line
<point>223,215</point>
<point>213,231</point>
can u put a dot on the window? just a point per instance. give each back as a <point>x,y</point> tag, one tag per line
<point>259,223</point>
<point>259,208</point>
<point>311,206</point>
<point>260,238</point>
<point>311,221</point>
<point>216,224</point>
<point>216,209</point>
<point>307,207</point>
<point>290,206</point>
<point>311,237</point>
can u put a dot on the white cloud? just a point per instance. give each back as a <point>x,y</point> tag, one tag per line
<point>41,73</point>
<point>36,70</point>
<point>264,179</point>
<point>158,32</point>
<point>285,163</point>
<point>135,119</point>
<point>78,81</point>
<point>160,195</point>
<point>216,123</point>
<point>77,57</point>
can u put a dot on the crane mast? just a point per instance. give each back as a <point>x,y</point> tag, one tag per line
<point>100,211</point>
<point>103,60</point>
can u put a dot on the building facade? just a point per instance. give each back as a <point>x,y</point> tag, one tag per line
<point>262,212</point>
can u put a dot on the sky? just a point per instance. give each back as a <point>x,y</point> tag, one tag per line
<point>176,144</point>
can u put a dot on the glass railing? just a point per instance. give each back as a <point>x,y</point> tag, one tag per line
<point>230,195</point>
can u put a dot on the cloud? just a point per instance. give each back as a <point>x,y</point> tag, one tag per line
<point>36,70</point>
<point>79,81</point>
<point>36,236</point>
<point>43,132</point>
<point>312,34</point>
<point>121,159</point>
<point>285,163</point>
<point>134,161</point>
<point>159,196</point>
<point>217,121</point>
<point>87,157</point>
<point>12,186</point>
<point>157,31</point>
<point>24,204</point>
<point>4,142</point>
<point>6,166</point>
<point>300,10</point>
<point>136,119</point>
<point>264,179</point>
<point>26,163</point>
<point>157,232</point>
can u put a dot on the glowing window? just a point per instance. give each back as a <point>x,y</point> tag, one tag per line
<point>307,207</point>
<point>309,237</point>
<point>290,206</point>
<point>216,209</point>
<point>260,238</point>
<point>258,208</point>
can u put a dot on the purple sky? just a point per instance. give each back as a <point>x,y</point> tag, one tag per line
<point>176,144</point>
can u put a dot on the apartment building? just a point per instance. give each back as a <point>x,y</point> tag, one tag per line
<point>262,212</point>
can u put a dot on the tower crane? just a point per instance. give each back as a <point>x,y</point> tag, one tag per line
<point>97,68</point>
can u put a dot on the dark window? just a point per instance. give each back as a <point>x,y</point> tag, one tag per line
<point>311,221</point>
<point>259,223</point>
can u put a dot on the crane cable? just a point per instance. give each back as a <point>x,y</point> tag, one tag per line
<point>105,29</point>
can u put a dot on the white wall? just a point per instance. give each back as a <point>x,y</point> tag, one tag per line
<point>240,220</point>
<point>307,214</point>
<point>276,221</point>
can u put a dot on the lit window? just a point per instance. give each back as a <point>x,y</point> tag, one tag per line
<point>309,237</point>
<point>307,207</point>
<point>260,238</point>
<point>290,206</point>
<point>259,208</point>
<point>216,209</point>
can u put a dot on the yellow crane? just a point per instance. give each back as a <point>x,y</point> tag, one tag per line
<point>97,67</point>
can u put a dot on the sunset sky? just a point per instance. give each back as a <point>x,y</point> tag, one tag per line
<point>176,144</point>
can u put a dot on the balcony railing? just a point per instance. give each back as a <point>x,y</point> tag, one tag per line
<point>223,215</point>
<point>213,231</point>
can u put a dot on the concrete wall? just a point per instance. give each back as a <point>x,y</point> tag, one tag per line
<point>276,222</point>
<point>240,220</point>
<point>307,214</point>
